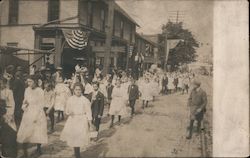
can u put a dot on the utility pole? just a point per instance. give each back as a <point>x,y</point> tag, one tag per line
<point>166,49</point>
<point>177,16</point>
<point>108,41</point>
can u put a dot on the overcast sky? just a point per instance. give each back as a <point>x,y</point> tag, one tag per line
<point>197,16</point>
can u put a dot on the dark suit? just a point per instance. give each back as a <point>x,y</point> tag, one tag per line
<point>196,101</point>
<point>97,106</point>
<point>164,84</point>
<point>133,94</point>
<point>18,94</point>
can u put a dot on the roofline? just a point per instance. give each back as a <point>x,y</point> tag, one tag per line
<point>123,12</point>
<point>137,34</point>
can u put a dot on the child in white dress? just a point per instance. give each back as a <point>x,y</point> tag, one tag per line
<point>62,93</point>
<point>146,92</point>
<point>118,102</point>
<point>76,130</point>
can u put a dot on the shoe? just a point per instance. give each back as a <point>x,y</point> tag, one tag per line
<point>111,125</point>
<point>189,136</point>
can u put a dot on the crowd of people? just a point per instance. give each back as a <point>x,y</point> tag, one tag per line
<point>28,99</point>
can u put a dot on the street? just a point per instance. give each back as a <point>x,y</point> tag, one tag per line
<point>159,130</point>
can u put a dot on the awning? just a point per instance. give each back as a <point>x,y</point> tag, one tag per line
<point>11,50</point>
<point>9,55</point>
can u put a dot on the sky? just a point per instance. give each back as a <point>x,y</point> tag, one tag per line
<point>197,16</point>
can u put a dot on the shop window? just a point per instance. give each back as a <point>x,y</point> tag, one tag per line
<point>112,61</point>
<point>13,11</point>
<point>53,10</point>
<point>99,61</point>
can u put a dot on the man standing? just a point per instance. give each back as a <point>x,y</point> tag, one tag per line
<point>197,102</point>
<point>133,94</point>
<point>18,94</point>
<point>164,84</point>
<point>97,105</point>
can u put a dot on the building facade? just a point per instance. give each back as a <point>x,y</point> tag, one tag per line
<point>39,24</point>
<point>148,50</point>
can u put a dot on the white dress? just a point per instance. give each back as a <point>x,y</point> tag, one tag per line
<point>155,88</point>
<point>76,130</point>
<point>180,82</point>
<point>146,91</point>
<point>33,127</point>
<point>7,95</point>
<point>88,89</point>
<point>171,83</point>
<point>118,102</point>
<point>62,93</point>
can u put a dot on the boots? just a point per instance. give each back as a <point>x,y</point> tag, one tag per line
<point>189,136</point>
<point>119,119</point>
<point>25,151</point>
<point>39,151</point>
<point>112,121</point>
<point>77,152</point>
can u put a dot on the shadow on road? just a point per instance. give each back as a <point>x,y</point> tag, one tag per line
<point>98,150</point>
<point>107,133</point>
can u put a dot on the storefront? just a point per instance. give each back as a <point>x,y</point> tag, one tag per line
<point>91,56</point>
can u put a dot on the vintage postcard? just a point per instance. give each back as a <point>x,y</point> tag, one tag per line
<point>124,78</point>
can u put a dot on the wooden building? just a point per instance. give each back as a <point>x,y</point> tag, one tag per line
<point>39,24</point>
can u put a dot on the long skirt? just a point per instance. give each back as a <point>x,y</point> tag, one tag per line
<point>76,131</point>
<point>33,128</point>
<point>118,106</point>
<point>8,140</point>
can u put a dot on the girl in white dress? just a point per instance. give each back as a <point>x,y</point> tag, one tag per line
<point>62,93</point>
<point>33,127</point>
<point>171,86</point>
<point>76,130</point>
<point>146,92</point>
<point>118,102</point>
<point>180,82</point>
<point>154,88</point>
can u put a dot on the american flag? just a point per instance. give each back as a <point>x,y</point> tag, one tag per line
<point>76,39</point>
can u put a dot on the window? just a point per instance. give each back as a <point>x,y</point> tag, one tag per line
<point>12,44</point>
<point>121,28</point>
<point>102,20</point>
<point>90,14</point>
<point>13,11</point>
<point>131,34</point>
<point>53,10</point>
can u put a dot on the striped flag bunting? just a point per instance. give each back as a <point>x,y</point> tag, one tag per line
<point>76,39</point>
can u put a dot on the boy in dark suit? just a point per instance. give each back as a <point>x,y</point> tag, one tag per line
<point>109,89</point>
<point>133,94</point>
<point>197,102</point>
<point>97,105</point>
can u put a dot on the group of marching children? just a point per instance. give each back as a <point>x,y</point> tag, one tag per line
<point>80,98</point>
<point>172,82</point>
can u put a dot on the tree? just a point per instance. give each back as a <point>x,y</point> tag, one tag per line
<point>185,51</point>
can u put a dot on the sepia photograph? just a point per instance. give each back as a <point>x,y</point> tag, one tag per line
<point>106,78</point>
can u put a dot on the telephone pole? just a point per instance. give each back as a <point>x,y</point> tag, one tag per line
<point>108,41</point>
<point>176,16</point>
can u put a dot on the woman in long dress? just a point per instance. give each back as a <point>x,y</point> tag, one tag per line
<point>76,129</point>
<point>8,126</point>
<point>33,127</point>
<point>118,102</point>
<point>62,93</point>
